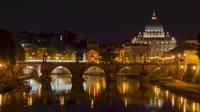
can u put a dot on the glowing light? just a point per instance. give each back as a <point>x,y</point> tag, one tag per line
<point>181,66</point>
<point>173,102</point>
<point>124,86</point>
<point>181,100</point>
<point>194,67</point>
<point>0,100</point>
<point>30,101</point>
<point>54,61</point>
<point>62,100</point>
<point>30,67</point>
<point>156,57</point>
<point>193,107</point>
<point>179,55</point>
<point>126,102</point>
<point>24,94</point>
<point>157,91</point>
<point>184,104</point>
<point>154,18</point>
<point>98,86</point>
<point>92,104</point>
<point>1,65</point>
<point>167,93</point>
<point>160,103</point>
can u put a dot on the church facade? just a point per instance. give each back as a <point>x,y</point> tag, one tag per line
<point>155,36</point>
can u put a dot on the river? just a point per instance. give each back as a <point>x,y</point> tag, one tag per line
<point>95,94</point>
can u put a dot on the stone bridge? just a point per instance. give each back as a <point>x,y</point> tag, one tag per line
<point>109,69</point>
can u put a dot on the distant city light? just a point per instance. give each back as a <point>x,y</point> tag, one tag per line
<point>55,61</point>
<point>182,67</point>
<point>194,67</point>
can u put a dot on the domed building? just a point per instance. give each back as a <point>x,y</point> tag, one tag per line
<point>155,36</point>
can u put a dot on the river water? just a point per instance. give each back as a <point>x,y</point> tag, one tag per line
<point>126,94</point>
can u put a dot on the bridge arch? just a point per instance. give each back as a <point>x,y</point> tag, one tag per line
<point>60,70</point>
<point>129,70</point>
<point>61,79</point>
<point>94,70</point>
<point>27,71</point>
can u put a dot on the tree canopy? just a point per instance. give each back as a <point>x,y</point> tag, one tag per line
<point>10,50</point>
<point>181,48</point>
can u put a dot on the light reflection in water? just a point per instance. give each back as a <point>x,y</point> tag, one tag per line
<point>125,102</point>
<point>127,86</point>
<point>62,100</point>
<point>61,83</point>
<point>154,99</point>
<point>92,104</point>
<point>173,100</point>
<point>35,85</point>
<point>94,85</point>
<point>167,93</point>
<point>0,99</point>
<point>176,101</point>
<point>30,101</point>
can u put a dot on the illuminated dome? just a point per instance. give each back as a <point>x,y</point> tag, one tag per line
<point>154,25</point>
<point>155,36</point>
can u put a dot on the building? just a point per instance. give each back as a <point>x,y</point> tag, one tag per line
<point>191,41</point>
<point>155,36</point>
<point>92,56</point>
<point>141,53</point>
<point>133,53</point>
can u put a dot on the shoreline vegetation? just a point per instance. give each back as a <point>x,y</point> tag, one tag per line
<point>191,91</point>
<point>11,85</point>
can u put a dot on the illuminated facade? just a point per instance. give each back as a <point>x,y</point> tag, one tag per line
<point>92,56</point>
<point>155,36</point>
<point>133,53</point>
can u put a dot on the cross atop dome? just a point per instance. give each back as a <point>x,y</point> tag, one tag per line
<point>154,16</point>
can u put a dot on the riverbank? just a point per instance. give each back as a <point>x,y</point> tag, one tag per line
<point>10,85</point>
<point>191,91</point>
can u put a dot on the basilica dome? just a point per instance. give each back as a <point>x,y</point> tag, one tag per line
<point>154,25</point>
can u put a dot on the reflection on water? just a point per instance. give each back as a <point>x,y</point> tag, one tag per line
<point>61,82</point>
<point>34,84</point>
<point>127,86</point>
<point>94,85</point>
<point>130,95</point>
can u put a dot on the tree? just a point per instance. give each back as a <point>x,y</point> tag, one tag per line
<point>70,37</point>
<point>108,55</point>
<point>10,50</point>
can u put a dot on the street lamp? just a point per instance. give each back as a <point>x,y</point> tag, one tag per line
<point>194,67</point>
<point>182,67</point>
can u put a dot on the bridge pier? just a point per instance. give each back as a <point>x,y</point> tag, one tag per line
<point>77,84</point>
<point>46,91</point>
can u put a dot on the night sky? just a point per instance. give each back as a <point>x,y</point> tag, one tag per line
<point>102,20</point>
